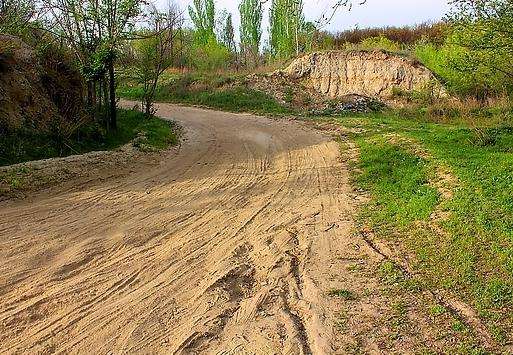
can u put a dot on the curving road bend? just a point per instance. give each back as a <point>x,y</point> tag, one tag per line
<point>228,246</point>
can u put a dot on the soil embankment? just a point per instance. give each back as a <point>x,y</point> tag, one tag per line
<point>375,74</point>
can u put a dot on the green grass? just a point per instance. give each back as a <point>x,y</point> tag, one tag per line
<point>206,91</point>
<point>399,181</point>
<point>473,256</point>
<point>344,294</point>
<point>22,146</point>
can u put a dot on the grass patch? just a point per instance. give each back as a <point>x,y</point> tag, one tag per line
<point>472,256</point>
<point>22,146</point>
<point>344,294</point>
<point>206,91</point>
<point>15,179</point>
<point>398,180</point>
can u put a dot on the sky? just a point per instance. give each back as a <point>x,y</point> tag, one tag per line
<point>374,13</point>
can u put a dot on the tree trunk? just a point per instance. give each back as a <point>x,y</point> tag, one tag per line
<point>112,94</point>
<point>90,90</point>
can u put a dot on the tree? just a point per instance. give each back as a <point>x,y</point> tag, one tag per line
<point>250,27</point>
<point>286,23</point>
<point>95,29</point>
<point>15,15</point>
<point>203,17</point>
<point>484,28</point>
<point>154,51</point>
<point>227,33</point>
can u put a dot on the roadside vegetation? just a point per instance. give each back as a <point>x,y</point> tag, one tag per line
<point>442,191</point>
<point>146,133</point>
<point>207,90</point>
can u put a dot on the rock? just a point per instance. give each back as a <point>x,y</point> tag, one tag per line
<point>373,74</point>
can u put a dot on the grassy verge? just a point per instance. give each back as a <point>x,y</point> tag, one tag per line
<point>220,93</point>
<point>458,224</point>
<point>24,146</point>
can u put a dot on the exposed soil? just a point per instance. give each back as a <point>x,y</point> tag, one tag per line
<point>230,245</point>
<point>376,74</point>
<point>38,92</point>
<point>73,172</point>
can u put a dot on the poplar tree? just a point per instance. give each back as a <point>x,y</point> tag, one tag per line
<point>202,14</point>
<point>228,35</point>
<point>286,24</point>
<point>250,26</point>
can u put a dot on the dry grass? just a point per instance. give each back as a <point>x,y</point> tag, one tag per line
<point>433,32</point>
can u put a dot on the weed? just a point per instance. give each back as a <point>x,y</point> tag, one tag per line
<point>437,310</point>
<point>341,321</point>
<point>355,267</point>
<point>390,273</point>
<point>458,326</point>
<point>344,294</point>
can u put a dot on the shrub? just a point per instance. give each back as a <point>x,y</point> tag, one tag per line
<point>409,35</point>
<point>446,62</point>
<point>381,42</point>
<point>210,56</point>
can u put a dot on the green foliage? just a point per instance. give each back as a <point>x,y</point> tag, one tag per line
<point>483,28</point>
<point>250,26</point>
<point>15,16</point>
<point>154,52</point>
<point>208,52</point>
<point>286,23</point>
<point>211,92</point>
<point>461,71</point>
<point>344,294</point>
<point>202,14</point>
<point>399,181</point>
<point>24,145</point>
<point>148,65</point>
<point>470,251</point>
<point>226,32</point>
<point>380,43</point>
<point>210,55</point>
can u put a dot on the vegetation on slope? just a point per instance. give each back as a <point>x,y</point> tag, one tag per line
<point>443,192</point>
<point>25,145</point>
<point>209,91</point>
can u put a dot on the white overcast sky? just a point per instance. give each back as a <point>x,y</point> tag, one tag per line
<point>373,13</point>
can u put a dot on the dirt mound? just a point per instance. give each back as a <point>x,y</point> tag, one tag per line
<point>375,74</point>
<point>293,93</point>
<point>37,93</point>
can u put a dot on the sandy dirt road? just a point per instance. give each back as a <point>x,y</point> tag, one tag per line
<point>229,246</point>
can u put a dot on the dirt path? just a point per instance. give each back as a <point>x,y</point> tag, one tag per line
<point>229,246</point>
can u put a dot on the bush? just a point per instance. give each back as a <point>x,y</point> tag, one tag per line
<point>445,62</point>
<point>381,43</point>
<point>210,56</point>
<point>408,35</point>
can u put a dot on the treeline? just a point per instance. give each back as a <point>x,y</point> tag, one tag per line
<point>470,50</point>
